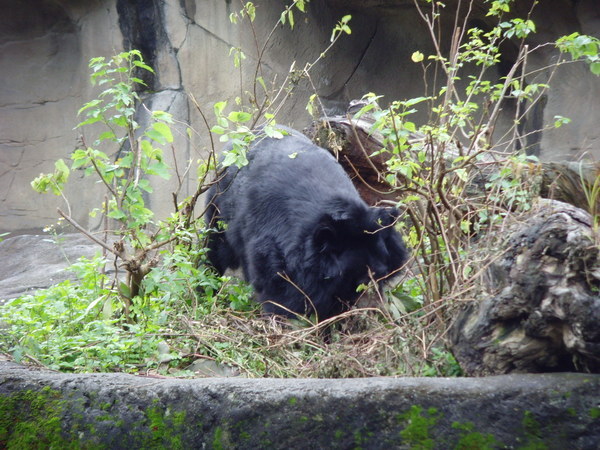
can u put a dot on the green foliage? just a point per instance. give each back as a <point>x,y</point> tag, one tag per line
<point>341,27</point>
<point>517,27</point>
<point>582,47</point>
<point>435,167</point>
<point>432,167</point>
<point>79,326</point>
<point>55,181</point>
<point>125,174</point>
<point>73,326</point>
<point>116,323</point>
<point>125,177</point>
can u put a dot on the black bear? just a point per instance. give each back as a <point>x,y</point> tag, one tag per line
<point>296,225</point>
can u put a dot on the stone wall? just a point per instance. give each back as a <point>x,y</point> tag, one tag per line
<point>44,50</point>
<point>45,46</point>
<point>55,410</point>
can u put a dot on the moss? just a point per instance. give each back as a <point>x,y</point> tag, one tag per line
<point>222,439</point>
<point>179,418</point>
<point>32,419</point>
<point>418,425</point>
<point>533,434</point>
<point>572,412</point>
<point>470,439</point>
<point>105,418</point>
<point>166,427</point>
<point>358,439</point>
<point>245,436</point>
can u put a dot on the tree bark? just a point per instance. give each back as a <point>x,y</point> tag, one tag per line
<point>540,305</point>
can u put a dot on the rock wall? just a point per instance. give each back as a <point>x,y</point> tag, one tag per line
<point>54,410</point>
<point>44,50</point>
<point>45,46</point>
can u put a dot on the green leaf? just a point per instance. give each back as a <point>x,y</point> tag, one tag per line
<point>219,107</point>
<point>144,185</point>
<point>417,57</point>
<point>107,135</point>
<point>62,171</point>
<point>273,132</point>
<point>559,121</point>
<point>147,149</point>
<point>141,65</point>
<point>155,136</point>
<point>164,130</point>
<point>124,290</point>
<point>127,160</point>
<point>162,116</point>
<point>410,126</point>
<point>261,81</point>
<point>120,121</point>
<point>414,101</point>
<point>88,105</point>
<point>89,121</point>
<point>160,169</point>
<point>218,129</point>
<point>116,214</point>
<point>222,122</point>
<point>79,158</point>
<point>462,174</point>
<point>239,116</point>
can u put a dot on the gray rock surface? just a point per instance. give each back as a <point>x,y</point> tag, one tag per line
<point>123,411</point>
<point>31,262</point>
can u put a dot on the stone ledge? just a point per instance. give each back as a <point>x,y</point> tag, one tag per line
<point>48,409</point>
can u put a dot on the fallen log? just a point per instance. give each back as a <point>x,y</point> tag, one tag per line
<point>353,143</point>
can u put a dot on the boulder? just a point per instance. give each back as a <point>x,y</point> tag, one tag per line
<point>541,306</point>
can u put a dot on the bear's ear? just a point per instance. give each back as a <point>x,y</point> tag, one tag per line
<point>386,216</point>
<point>324,235</point>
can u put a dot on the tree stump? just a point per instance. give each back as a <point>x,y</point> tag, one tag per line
<point>541,312</point>
<point>351,143</point>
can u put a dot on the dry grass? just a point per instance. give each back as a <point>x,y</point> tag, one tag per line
<point>362,342</point>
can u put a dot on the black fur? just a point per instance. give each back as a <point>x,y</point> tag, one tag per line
<point>293,213</point>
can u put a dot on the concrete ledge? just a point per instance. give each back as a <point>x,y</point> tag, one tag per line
<point>42,409</point>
